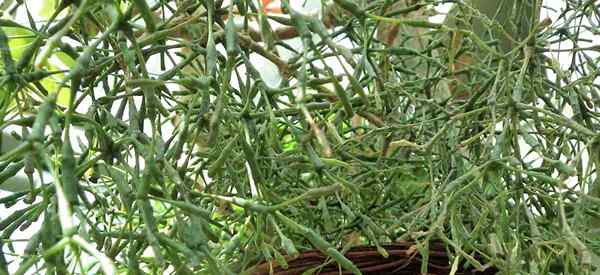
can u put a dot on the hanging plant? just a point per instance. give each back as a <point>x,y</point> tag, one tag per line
<point>259,137</point>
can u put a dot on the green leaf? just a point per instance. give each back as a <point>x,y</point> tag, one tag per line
<point>48,8</point>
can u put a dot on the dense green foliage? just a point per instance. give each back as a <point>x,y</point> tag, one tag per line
<point>191,162</point>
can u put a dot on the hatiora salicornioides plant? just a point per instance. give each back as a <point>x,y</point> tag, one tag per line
<point>148,137</point>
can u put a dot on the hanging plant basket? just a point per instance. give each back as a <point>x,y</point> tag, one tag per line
<point>404,258</point>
